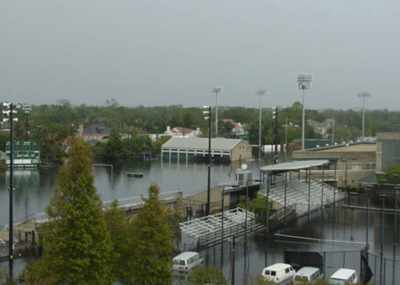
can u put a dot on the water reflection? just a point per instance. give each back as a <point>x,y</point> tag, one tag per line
<point>35,187</point>
<point>338,234</point>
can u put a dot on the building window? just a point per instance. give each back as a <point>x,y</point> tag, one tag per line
<point>371,165</point>
<point>356,166</point>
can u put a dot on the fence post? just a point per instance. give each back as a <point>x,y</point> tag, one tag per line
<point>375,269</point>
<point>384,271</point>
<point>344,259</point>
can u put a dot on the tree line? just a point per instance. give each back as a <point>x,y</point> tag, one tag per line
<point>54,124</point>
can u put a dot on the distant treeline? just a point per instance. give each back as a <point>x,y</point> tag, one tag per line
<point>53,124</point>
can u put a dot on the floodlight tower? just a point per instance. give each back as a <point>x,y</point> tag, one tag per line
<point>260,93</point>
<point>216,90</point>
<point>363,95</point>
<point>207,116</point>
<point>303,83</point>
<point>27,108</point>
<point>9,112</point>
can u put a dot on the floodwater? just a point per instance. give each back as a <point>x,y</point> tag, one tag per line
<point>337,233</point>
<point>346,227</point>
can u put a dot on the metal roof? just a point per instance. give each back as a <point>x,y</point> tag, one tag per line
<point>201,143</point>
<point>370,179</point>
<point>292,166</point>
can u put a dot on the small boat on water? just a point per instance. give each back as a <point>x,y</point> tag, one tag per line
<point>134,174</point>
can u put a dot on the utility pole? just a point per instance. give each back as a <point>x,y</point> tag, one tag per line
<point>363,95</point>
<point>10,114</point>
<point>260,93</point>
<point>233,260</point>
<point>303,83</point>
<point>216,90</point>
<point>275,117</point>
<point>207,116</point>
<point>27,108</point>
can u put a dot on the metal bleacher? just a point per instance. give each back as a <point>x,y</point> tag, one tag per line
<point>206,231</point>
<point>300,193</point>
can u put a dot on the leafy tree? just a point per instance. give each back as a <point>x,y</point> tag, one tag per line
<point>391,175</point>
<point>4,138</point>
<point>114,146</point>
<point>157,146</point>
<point>203,276</point>
<point>225,129</point>
<point>121,231</point>
<point>175,216</point>
<point>19,133</point>
<point>257,205</point>
<point>77,244</point>
<point>150,261</point>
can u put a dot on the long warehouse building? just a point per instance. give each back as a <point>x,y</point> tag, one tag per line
<point>196,149</point>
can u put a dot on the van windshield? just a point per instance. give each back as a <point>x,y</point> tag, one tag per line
<point>181,262</point>
<point>336,281</point>
<point>301,278</point>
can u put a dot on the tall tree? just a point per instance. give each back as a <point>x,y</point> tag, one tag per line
<point>153,243</point>
<point>114,146</point>
<point>76,241</point>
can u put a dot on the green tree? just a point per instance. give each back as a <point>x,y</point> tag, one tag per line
<point>203,276</point>
<point>257,205</point>
<point>76,241</point>
<point>114,146</point>
<point>152,238</point>
<point>4,138</point>
<point>121,231</point>
<point>175,216</point>
<point>391,175</point>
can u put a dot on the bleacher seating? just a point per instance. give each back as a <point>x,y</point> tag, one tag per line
<point>300,194</point>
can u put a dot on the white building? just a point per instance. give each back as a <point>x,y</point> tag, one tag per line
<point>196,149</point>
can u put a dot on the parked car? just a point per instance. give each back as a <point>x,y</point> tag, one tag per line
<point>343,276</point>
<point>307,275</point>
<point>185,261</point>
<point>279,273</point>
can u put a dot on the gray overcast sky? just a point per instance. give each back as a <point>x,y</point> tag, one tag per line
<point>152,52</point>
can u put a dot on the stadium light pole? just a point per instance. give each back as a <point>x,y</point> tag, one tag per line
<point>207,116</point>
<point>27,108</point>
<point>363,95</point>
<point>303,83</point>
<point>10,113</point>
<point>260,93</point>
<point>216,90</point>
<point>383,196</point>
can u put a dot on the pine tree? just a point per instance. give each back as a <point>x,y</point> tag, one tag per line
<point>152,239</point>
<point>76,241</point>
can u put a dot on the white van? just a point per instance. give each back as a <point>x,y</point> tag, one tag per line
<point>186,261</point>
<point>279,273</point>
<point>307,275</point>
<point>343,276</point>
